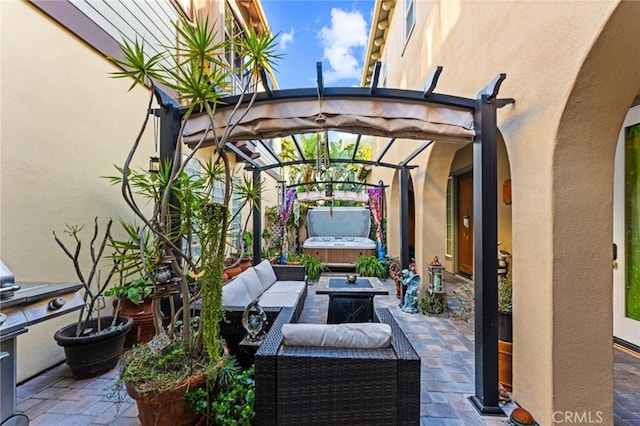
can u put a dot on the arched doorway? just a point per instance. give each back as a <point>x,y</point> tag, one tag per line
<point>626,237</point>
<point>573,286</point>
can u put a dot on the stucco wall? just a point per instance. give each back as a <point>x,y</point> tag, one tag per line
<point>65,122</point>
<point>573,69</point>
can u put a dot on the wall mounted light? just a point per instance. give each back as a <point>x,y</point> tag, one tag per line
<point>154,164</point>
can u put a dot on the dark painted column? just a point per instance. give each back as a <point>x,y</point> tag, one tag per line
<point>169,131</point>
<point>485,276</point>
<point>404,218</point>
<point>257,221</point>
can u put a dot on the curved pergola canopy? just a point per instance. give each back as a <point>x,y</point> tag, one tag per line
<point>386,112</point>
<point>391,113</point>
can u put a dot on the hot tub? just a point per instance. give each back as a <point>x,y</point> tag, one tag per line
<point>339,235</point>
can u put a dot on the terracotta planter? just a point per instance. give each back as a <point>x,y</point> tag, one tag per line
<point>225,276</point>
<point>246,263</point>
<point>504,364</point>
<point>92,355</point>
<point>143,329</point>
<point>232,272</point>
<point>398,289</point>
<point>166,408</point>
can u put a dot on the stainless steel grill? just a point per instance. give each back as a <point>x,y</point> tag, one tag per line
<point>21,305</point>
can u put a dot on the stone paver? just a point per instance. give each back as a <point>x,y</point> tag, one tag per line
<point>444,344</point>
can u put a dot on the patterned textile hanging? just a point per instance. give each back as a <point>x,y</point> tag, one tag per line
<point>284,218</point>
<point>375,205</point>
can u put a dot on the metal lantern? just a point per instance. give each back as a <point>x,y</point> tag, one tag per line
<point>436,276</point>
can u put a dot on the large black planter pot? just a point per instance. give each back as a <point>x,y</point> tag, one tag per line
<point>505,328</point>
<point>90,356</point>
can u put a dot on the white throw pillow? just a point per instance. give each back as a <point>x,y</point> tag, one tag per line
<point>235,295</point>
<point>265,273</point>
<point>367,335</point>
<point>251,280</point>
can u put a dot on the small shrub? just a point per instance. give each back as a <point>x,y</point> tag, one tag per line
<point>464,297</point>
<point>313,267</point>
<point>370,266</point>
<point>431,305</point>
<point>232,400</point>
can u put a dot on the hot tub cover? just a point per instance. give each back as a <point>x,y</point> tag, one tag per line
<point>339,222</point>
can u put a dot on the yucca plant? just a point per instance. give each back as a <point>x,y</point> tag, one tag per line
<point>199,77</point>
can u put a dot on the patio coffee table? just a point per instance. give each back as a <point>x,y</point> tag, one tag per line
<point>350,302</point>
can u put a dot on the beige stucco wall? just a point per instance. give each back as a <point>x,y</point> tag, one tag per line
<point>65,122</point>
<point>573,69</point>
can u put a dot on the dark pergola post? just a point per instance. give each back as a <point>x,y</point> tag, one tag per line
<point>485,240</point>
<point>170,121</point>
<point>257,220</point>
<point>404,217</point>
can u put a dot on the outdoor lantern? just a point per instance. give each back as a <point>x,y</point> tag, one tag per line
<point>154,164</point>
<point>436,276</point>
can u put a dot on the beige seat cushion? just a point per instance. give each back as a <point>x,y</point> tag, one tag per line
<point>273,300</point>
<point>296,287</point>
<point>351,335</point>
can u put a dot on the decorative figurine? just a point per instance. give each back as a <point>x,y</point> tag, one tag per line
<point>254,319</point>
<point>351,278</point>
<point>411,282</point>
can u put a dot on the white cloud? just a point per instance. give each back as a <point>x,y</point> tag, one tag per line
<point>286,38</point>
<point>348,31</point>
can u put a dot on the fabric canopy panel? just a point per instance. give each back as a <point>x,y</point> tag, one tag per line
<point>337,195</point>
<point>386,117</point>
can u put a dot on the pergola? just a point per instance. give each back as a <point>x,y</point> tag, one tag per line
<point>396,114</point>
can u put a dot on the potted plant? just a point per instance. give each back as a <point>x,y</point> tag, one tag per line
<point>293,259</point>
<point>188,352</point>
<point>505,334</point>
<point>133,300</point>
<point>370,266</point>
<point>313,267</point>
<point>93,344</point>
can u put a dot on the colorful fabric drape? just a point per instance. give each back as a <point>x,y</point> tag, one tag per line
<point>375,205</point>
<point>284,217</point>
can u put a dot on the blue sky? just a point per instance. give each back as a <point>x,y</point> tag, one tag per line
<point>334,32</point>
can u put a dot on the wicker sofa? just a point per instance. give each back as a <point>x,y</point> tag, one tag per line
<point>298,385</point>
<point>275,287</point>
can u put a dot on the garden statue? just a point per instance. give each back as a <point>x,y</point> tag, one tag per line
<point>411,282</point>
<point>254,320</point>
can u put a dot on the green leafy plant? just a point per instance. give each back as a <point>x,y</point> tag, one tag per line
<point>463,296</point>
<point>294,257</point>
<point>505,294</point>
<point>313,267</point>
<point>233,404</point>
<point>135,290</point>
<point>431,305</point>
<point>370,266</point>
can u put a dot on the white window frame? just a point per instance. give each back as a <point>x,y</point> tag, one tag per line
<point>409,17</point>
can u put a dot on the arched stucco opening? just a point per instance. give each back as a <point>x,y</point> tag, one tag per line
<point>574,343</point>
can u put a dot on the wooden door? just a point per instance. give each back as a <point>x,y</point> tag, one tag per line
<point>465,224</point>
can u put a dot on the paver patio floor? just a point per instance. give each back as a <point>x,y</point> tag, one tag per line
<point>444,344</point>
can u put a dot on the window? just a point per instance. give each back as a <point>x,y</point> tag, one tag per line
<point>232,29</point>
<point>193,170</point>
<point>449,245</point>
<point>383,71</point>
<point>235,226</point>
<point>409,17</point>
